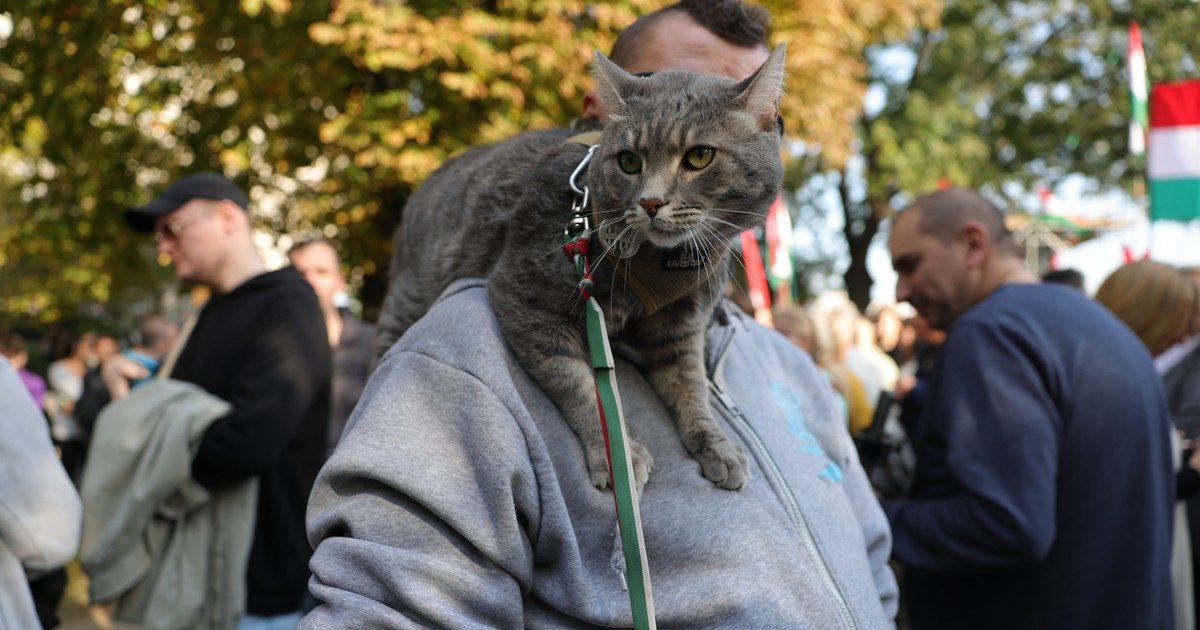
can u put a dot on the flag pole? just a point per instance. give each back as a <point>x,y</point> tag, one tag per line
<point>1139,121</point>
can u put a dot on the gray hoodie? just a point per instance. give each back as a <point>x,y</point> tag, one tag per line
<point>459,497</point>
<point>40,513</point>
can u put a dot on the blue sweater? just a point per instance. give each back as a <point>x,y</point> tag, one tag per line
<point>1044,487</point>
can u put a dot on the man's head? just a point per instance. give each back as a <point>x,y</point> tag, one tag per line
<point>888,325</point>
<point>14,348</point>
<point>950,250</point>
<point>106,346</point>
<point>718,37</point>
<point>201,222</point>
<point>155,334</point>
<point>1069,277</point>
<point>797,325</point>
<point>317,261</point>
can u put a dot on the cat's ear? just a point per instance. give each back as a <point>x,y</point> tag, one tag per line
<point>611,82</point>
<point>761,91</point>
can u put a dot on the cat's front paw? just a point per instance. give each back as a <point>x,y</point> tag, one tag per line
<point>597,459</point>
<point>722,462</point>
<point>642,464</point>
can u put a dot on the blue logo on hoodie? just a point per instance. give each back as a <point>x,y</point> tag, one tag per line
<point>793,409</point>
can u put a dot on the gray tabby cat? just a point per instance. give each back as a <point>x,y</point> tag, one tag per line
<point>686,163</point>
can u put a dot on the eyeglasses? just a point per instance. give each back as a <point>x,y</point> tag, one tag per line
<point>172,229</point>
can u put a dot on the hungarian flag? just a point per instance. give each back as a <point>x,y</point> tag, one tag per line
<point>779,242</point>
<point>756,278</point>
<point>1173,162</point>
<point>1137,91</point>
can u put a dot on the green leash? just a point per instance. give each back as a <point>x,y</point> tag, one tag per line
<point>576,244</point>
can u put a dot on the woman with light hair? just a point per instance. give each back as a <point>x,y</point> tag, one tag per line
<point>1160,304</point>
<point>798,325</point>
<point>1156,300</point>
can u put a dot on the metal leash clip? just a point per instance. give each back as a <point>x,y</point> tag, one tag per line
<point>578,227</point>
<point>580,224</point>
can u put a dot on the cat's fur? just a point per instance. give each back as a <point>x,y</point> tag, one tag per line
<point>500,211</point>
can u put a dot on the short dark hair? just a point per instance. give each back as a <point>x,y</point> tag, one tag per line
<point>309,242</point>
<point>11,344</point>
<point>1069,277</point>
<point>733,21</point>
<point>943,214</point>
<point>152,329</point>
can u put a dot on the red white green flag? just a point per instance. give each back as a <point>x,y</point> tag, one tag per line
<point>1173,163</point>
<point>1137,91</point>
<point>756,278</point>
<point>779,242</point>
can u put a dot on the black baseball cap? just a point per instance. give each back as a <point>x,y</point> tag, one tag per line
<point>195,186</point>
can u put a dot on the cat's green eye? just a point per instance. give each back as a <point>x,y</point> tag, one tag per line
<point>629,162</point>
<point>698,157</point>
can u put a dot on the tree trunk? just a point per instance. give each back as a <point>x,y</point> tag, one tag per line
<point>860,227</point>
<point>858,279</point>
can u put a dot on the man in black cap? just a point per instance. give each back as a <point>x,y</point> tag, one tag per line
<point>259,344</point>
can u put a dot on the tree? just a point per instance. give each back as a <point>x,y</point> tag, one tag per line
<point>1000,97</point>
<point>329,113</point>
<point>105,102</point>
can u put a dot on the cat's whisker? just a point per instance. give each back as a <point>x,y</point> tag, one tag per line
<point>612,288</point>
<point>707,232</point>
<point>732,211</point>
<point>614,242</point>
<point>713,238</point>
<point>731,224</point>
<point>701,245</point>
<point>704,271</point>
<point>737,284</point>
<point>557,249</point>
<point>607,222</point>
<point>547,254</point>
<point>714,279</point>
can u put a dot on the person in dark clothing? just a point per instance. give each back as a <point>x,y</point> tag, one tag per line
<point>152,340</point>
<point>259,344</point>
<point>1069,277</point>
<point>1161,305</point>
<point>1044,488</point>
<point>351,339</point>
<point>912,391</point>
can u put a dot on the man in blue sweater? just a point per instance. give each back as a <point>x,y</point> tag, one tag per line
<point>1044,489</point>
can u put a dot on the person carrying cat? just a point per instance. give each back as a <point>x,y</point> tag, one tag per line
<point>465,491</point>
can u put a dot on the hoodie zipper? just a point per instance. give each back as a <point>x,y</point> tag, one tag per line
<point>734,415</point>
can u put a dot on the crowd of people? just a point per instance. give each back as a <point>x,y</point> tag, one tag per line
<point>996,450</point>
<point>277,366</point>
<point>1024,418</point>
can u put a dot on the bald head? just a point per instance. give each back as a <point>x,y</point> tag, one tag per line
<point>715,37</point>
<point>950,250</point>
<point>733,21</point>
<point>944,213</point>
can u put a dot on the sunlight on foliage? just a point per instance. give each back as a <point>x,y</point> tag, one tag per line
<point>328,113</point>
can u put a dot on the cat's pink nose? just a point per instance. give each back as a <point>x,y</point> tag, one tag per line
<point>652,205</point>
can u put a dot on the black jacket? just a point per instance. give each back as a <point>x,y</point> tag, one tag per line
<point>351,367</point>
<point>263,348</point>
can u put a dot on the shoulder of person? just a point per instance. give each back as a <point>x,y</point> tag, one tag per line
<point>765,341</point>
<point>460,326</point>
